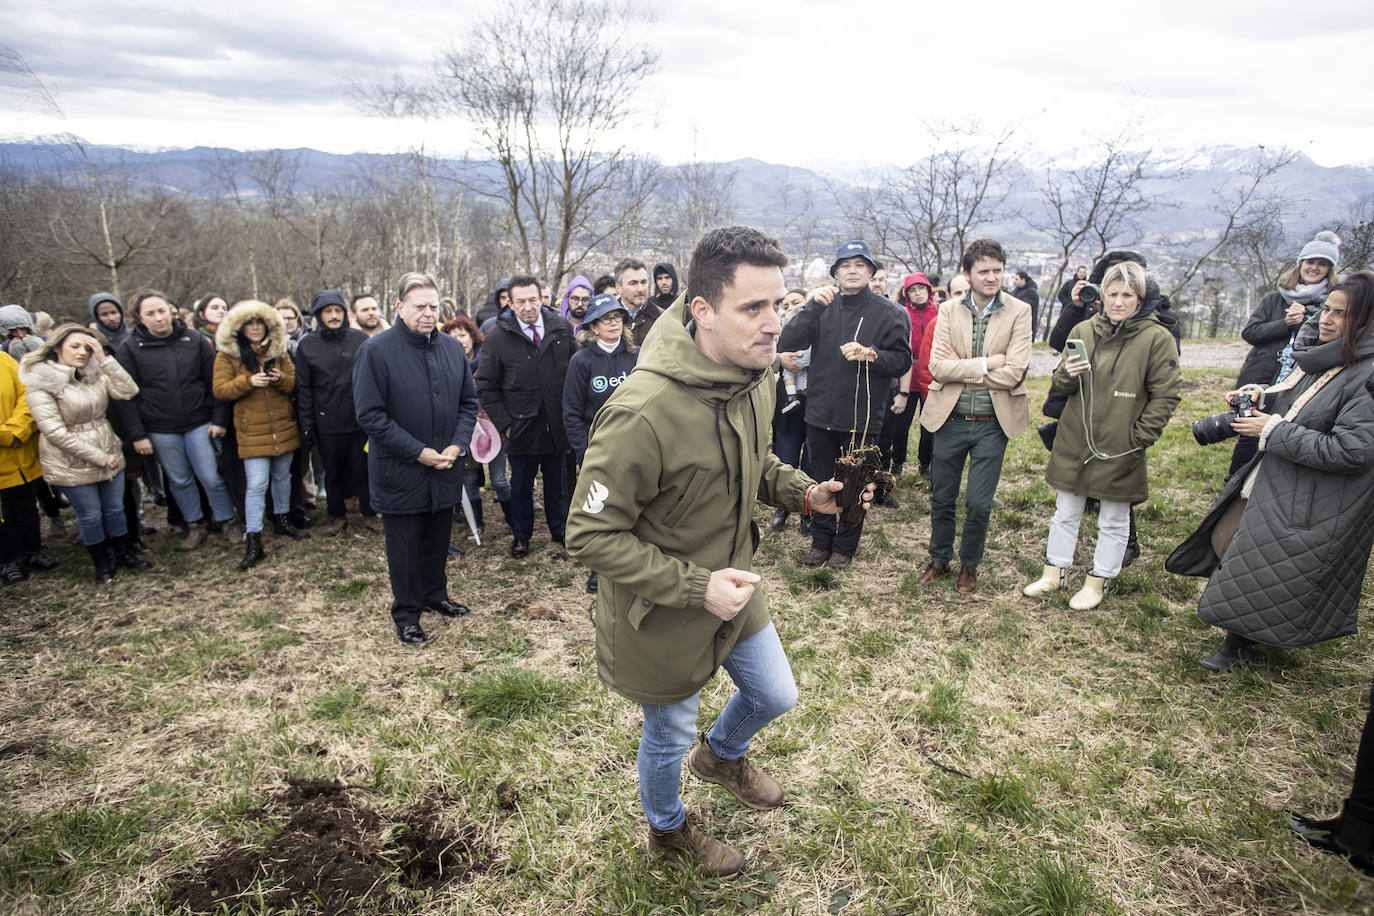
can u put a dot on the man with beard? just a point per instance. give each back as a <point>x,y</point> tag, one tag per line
<point>576,299</point>
<point>324,402</point>
<point>415,399</point>
<point>665,285</point>
<point>367,314</point>
<point>860,344</point>
<point>108,314</point>
<point>520,382</point>
<point>632,289</point>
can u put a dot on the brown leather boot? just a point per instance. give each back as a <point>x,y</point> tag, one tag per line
<point>749,784</point>
<point>690,842</point>
<point>967,582</point>
<point>815,556</point>
<point>933,571</point>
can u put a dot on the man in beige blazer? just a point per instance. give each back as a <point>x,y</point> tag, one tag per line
<point>978,363</point>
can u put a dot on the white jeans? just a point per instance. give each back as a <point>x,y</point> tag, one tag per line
<point>1113,528</point>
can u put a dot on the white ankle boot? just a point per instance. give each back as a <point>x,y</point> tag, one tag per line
<point>1051,580</point>
<point>1090,595</point>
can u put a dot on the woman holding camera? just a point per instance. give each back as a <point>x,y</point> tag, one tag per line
<point>1273,328</point>
<point>1122,387</point>
<point>1286,544</point>
<point>70,382</point>
<point>254,371</point>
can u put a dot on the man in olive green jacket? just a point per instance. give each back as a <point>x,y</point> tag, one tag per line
<point>663,512</point>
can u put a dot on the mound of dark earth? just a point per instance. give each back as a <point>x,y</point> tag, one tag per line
<point>334,856</point>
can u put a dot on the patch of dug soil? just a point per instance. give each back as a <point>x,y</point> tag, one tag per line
<point>334,856</point>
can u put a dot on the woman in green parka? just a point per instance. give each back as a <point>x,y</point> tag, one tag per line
<point>1120,399</point>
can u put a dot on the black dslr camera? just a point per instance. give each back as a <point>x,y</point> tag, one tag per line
<point>1217,427</point>
<point>1090,294</point>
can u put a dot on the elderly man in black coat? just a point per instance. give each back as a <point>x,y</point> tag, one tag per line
<point>416,401</point>
<point>520,380</point>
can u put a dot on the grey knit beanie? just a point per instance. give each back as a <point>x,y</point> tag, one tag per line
<point>1326,246</point>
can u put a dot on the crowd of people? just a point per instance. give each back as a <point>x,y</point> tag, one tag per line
<point>656,414</point>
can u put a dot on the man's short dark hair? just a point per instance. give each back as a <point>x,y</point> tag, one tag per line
<point>628,264</point>
<point>720,251</point>
<point>522,280</point>
<point>982,248</point>
<point>353,303</point>
<point>603,283</point>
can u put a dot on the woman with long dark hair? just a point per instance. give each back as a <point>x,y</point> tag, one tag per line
<point>1286,545</point>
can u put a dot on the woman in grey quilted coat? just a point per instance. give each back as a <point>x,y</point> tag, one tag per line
<point>1293,527</point>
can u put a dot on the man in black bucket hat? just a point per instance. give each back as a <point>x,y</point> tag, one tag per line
<point>860,344</point>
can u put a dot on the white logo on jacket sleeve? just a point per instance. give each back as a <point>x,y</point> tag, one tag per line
<point>596,498</point>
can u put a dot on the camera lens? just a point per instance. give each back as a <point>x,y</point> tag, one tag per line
<point>1214,429</point>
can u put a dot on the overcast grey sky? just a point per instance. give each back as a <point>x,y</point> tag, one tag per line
<point>792,81</point>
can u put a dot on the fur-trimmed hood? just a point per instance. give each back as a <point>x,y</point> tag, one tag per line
<point>42,374</point>
<point>226,336</point>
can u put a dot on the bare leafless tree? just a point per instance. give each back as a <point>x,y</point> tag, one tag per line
<point>1093,207</point>
<point>541,81</point>
<point>1356,230</point>
<point>923,216</point>
<point>1240,210</point>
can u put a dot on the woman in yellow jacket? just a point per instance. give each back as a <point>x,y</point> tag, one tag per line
<point>253,370</point>
<point>21,543</point>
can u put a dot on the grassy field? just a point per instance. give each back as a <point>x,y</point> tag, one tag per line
<point>197,739</point>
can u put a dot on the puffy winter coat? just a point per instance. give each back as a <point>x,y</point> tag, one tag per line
<point>175,376</point>
<point>521,386</point>
<point>677,458</point>
<point>17,465</point>
<point>593,376</point>
<point>69,409</point>
<point>1293,572</point>
<point>413,391</point>
<point>264,421</point>
<point>1127,398</point>
<point>835,383</point>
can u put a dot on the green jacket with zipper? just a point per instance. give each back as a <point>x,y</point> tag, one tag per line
<point>1128,398</point>
<point>676,460</point>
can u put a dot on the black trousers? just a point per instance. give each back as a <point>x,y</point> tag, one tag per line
<point>896,430</point>
<point>416,550</point>
<point>20,534</point>
<point>345,471</point>
<point>829,532</point>
<point>523,469</point>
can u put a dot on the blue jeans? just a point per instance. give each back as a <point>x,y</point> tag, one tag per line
<point>188,457</point>
<point>759,668</point>
<point>99,509</point>
<point>499,481</point>
<point>255,474</point>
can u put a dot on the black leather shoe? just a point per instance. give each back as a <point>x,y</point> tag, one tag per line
<point>591,584</point>
<point>1323,835</point>
<point>411,634</point>
<point>779,519</point>
<point>887,502</point>
<point>519,548</point>
<point>449,608</point>
<point>281,525</point>
<point>805,526</point>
